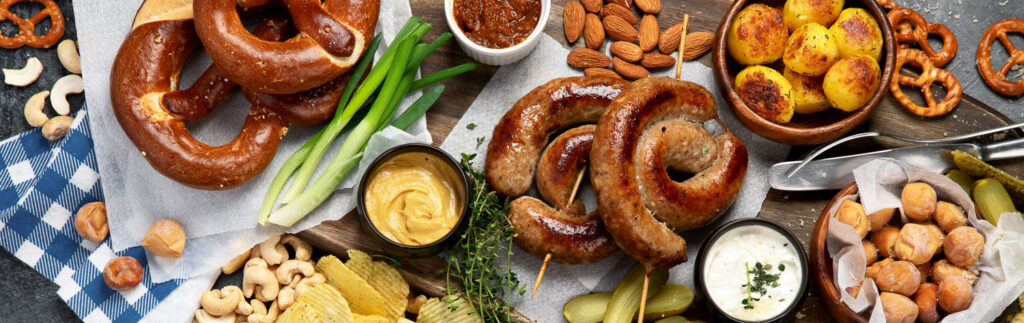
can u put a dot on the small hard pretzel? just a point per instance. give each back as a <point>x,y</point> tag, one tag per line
<point>887,4</point>
<point>26,27</point>
<point>919,34</point>
<point>929,75</point>
<point>997,80</point>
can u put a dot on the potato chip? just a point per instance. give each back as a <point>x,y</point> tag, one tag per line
<point>320,303</point>
<point>404,320</point>
<point>384,278</point>
<point>363,298</point>
<point>371,319</point>
<point>440,311</point>
<point>299,312</point>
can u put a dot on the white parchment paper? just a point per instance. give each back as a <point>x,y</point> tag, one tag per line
<point>880,183</point>
<point>562,282</point>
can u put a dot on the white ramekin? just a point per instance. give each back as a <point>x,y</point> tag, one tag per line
<point>503,56</point>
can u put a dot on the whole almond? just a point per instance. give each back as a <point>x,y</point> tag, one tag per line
<point>628,70</point>
<point>697,43</point>
<point>597,71</point>
<point>619,29</point>
<point>649,6</point>
<point>656,61</point>
<point>592,6</point>
<point>586,57</point>
<point>648,33</point>
<point>629,52</point>
<point>619,10</point>
<point>669,40</point>
<point>593,31</point>
<point>623,3</point>
<point>573,18</point>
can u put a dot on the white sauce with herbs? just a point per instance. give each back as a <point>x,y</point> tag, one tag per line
<point>726,272</point>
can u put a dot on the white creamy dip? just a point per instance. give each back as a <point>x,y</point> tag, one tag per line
<point>726,272</point>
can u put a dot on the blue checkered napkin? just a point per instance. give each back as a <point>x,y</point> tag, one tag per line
<point>42,184</point>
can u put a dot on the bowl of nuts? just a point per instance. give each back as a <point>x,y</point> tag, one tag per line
<point>803,72</point>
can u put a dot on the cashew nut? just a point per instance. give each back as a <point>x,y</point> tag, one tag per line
<point>204,317</point>
<point>26,75</point>
<point>272,251</point>
<point>34,109</point>
<point>68,84</point>
<point>244,309</point>
<point>220,302</point>
<point>302,249</point>
<point>262,282</point>
<point>308,282</point>
<point>290,269</point>
<point>414,304</point>
<point>285,298</point>
<point>57,127</point>
<point>236,263</point>
<point>67,52</point>
<point>263,315</point>
<point>256,262</point>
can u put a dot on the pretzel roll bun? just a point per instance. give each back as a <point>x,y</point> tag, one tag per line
<point>523,131</point>
<point>146,71</point>
<point>333,36</point>
<point>654,125</point>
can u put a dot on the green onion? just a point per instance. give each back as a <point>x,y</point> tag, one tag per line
<point>418,108</point>
<point>434,78</point>
<point>282,176</point>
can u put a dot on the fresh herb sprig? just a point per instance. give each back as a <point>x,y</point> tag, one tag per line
<point>763,278</point>
<point>481,258</point>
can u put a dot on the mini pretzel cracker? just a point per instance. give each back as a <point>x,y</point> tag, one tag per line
<point>997,80</point>
<point>929,75</point>
<point>887,4</point>
<point>26,27</point>
<point>918,33</point>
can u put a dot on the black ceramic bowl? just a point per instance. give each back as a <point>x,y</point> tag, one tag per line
<point>721,316</point>
<point>402,250</point>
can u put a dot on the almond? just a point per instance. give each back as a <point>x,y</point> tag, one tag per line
<point>619,29</point>
<point>648,33</point>
<point>668,42</point>
<point>593,31</point>
<point>628,70</point>
<point>627,51</point>
<point>573,18</point>
<point>597,71</point>
<point>656,61</point>
<point>619,10</point>
<point>623,3</point>
<point>592,6</point>
<point>697,43</point>
<point>586,57</point>
<point>649,6</point>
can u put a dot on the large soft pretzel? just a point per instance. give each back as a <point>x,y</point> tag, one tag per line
<point>654,125</point>
<point>26,27</point>
<point>333,35</point>
<point>919,32</point>
<point>997,80</point>
<point>929,75</point>
<point>143,86</point>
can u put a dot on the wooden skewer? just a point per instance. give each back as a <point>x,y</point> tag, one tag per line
<point>643,294</point>
<point>547,257</point>
<point>682,45</point>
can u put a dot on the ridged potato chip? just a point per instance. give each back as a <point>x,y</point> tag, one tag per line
<point>384,278</point>
<point>438,311</point>
<point>320,303</point>
<point>363,298</point>
<point>371,319</point>
<point>299,312</point>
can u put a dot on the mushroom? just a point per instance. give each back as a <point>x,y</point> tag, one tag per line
<point>261,314</point>
<point>285,297</point>
<point>292,268</point>
<point>220,302</point>
<point>68,84</point>
<point>236,263</point>
<point>26,75</point>
<point>34,109</point>
<point>308,282</point>
<point>204,317</point>
<point>67,52</point>
<point>273,251</point>
<point>260,281</point>
<point>57,127</point>
<point>302,249</point>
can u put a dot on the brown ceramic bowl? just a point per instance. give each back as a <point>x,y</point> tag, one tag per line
<point>821,265</point>
<point>804,129</point>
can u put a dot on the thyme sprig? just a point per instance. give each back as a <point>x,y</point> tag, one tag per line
<point>762,279</point>
<point>481,258</point>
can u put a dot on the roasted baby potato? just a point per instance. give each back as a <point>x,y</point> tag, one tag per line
<point>851,82</point>
<point>766,92</point>
<point>810,50</point>
<point>757,35</point>
<point>796,13</point>
<point>808,95</point>
<point>857,33</point>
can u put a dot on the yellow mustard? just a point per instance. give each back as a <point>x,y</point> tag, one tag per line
<point>413,198</point>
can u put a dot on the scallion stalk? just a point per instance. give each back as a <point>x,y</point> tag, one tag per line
<point>441,75</point>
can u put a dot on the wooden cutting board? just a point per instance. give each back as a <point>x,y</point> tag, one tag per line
<point>797,211</point>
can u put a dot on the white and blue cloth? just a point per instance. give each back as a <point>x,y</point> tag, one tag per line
<point>42,185</point>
